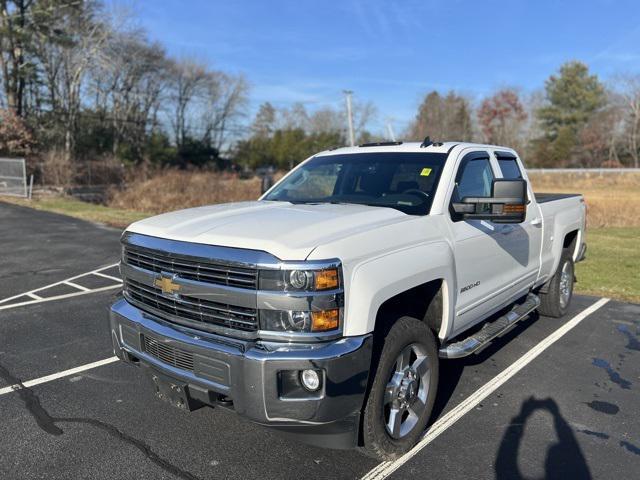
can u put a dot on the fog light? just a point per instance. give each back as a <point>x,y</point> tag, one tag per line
<point>310,379</point>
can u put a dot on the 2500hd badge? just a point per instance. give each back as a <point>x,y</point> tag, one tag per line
<point>469,287</point>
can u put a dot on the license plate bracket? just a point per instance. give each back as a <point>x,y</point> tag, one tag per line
<point>174,392</point>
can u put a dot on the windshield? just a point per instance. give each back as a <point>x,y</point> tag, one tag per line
<point>404,181</point>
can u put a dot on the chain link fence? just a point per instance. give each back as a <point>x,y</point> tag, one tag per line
<point>13,177</point>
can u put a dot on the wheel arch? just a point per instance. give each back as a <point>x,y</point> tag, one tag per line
<point>425,302</point>
<point>568,233</point>
<point>571,242</point>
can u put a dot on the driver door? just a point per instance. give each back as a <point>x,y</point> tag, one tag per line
<point>479,257</point>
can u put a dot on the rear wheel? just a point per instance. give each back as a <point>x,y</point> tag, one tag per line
<point>555,302</point>
<point>403,390</point>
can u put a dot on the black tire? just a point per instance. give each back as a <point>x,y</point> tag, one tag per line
<point>406,334</point>
<point>553,303</point>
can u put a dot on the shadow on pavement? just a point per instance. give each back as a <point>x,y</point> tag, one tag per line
<point>564,458</point>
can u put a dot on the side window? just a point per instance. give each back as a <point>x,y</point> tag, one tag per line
<point>474,178</point>
<point>509,168</point>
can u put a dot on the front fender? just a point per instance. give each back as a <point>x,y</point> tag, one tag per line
<point>372,282</point>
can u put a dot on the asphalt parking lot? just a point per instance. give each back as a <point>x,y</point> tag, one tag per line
<point>571,411</point>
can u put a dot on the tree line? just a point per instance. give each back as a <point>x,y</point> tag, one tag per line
<point>77,79</point>
<point>575,121</point>
<point>79,82</point>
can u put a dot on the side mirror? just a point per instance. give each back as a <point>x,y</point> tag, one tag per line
<point>507,203</point>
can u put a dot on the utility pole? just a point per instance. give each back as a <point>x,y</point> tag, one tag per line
<point>352,138</point>
<point>390,133</point>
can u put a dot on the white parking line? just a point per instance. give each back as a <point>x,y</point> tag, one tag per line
<point>55,376</point>
<point>104,275</point>
<point>79,287</point>
<point>384,469</point>
<point>58,297</point>
<point>69,282</point>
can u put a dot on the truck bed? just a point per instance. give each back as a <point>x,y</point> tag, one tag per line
<point>550,197</point>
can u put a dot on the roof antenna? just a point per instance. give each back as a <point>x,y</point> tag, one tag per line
<point>427,142</point>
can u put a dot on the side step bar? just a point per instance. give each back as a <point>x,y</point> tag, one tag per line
<point>490,330</point>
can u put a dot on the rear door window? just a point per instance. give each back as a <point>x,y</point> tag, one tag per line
<point>510,169</point>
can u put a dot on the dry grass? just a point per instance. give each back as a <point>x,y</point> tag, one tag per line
<point>91,212</point>
<point>613,200</point>
<point>173,190</point>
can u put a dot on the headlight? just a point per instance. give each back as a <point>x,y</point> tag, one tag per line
<point>299,280</point>
<point>300,322</point>
<point>305,297</point>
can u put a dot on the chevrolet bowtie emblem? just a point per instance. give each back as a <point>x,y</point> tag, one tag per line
<point>166,285</point>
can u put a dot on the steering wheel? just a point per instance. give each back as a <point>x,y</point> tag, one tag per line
<point>416,191</point>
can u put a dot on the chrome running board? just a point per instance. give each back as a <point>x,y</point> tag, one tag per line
<point>490,330</point>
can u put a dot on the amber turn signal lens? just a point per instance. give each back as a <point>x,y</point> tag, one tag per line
<point>325,320</point>
<point>513,208</point>
<point>326,279</point>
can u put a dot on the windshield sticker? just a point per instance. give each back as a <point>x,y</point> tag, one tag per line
<point>425,172</point>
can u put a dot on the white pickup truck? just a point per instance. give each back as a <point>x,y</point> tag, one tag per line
<point>324,308</point>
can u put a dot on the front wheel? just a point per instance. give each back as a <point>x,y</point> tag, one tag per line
<point>555,302</point>
<point>403,390</point>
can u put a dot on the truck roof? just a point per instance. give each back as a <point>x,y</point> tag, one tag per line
<point>437,147</point>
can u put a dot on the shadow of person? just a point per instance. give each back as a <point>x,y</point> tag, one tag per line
<point>564,458</point>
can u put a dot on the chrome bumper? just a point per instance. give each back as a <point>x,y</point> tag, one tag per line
<point>257,377</point>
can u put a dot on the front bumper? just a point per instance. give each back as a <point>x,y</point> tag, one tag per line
<point>257,377</point>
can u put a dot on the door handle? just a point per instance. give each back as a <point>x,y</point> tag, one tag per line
<point>537,222</point>
<point>507,229</point>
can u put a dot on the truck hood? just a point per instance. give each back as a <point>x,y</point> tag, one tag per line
<point>288,231</point>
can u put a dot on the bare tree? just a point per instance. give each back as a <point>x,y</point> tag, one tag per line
<point>264,123</point>
<point>14,17</point>
<point>327,120</point>
<point>66,62</point>
<point>630,95</point>
<point>601,137</point>
<point>443,118</point>
<point>363,114</point>
<point>295,117</point>
<point>224,101</point>
<point>128,83</point>
<point>188,78</point>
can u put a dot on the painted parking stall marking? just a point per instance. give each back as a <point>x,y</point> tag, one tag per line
<point>75,284</point>
<point>384,469</point>
<point>56,376</point>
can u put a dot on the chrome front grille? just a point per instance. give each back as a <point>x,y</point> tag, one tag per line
<point>195,310</point>
<point>165,353</point>
<point>201,270</point>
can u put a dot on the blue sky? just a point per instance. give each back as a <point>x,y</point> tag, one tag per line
<point>393,52</point>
